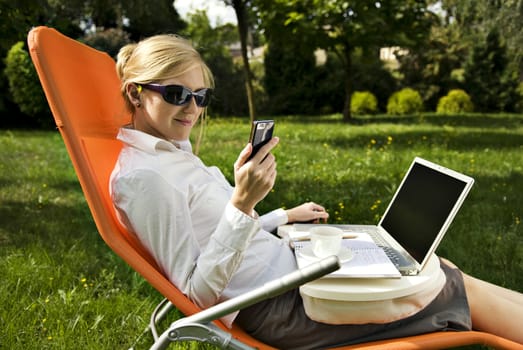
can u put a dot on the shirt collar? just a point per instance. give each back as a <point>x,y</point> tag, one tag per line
<point>150,144</point>
<point>184,145</point>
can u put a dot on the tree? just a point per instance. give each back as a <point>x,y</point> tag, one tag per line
<point>70,18</point>
<point>17,19</point>
<point>289,68</point>
<point>490,82</point>
<point>341,26</point>
<point>148,18</point>
<point>493,62</point>
<point>475,19</point>
<point>435,66</point>
<point>229,96</point>
<point>289,76</point>
<point>511,17</point>
<point>240,8</point>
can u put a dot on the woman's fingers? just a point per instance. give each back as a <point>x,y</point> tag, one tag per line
<point>265,150</point>
<point>308,212</point>
<point>254,178</point>
<point>244,155</point>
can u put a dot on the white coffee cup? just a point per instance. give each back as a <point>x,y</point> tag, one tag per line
<point>325,240</point>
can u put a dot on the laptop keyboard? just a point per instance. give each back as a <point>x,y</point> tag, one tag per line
<point>397,259</point>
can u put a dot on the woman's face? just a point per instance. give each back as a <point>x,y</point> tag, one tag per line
<point>167,121</point>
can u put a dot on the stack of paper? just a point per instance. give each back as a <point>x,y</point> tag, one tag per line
<point>360,257</point>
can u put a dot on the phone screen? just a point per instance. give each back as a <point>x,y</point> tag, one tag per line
<point>261,133</point>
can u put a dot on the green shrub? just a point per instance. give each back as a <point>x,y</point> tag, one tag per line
<point>456,101</point>
<point>363,102</point>
<point>25,87</point>
<point>405,101</point>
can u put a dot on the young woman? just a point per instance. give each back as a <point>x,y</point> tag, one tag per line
<point>208,238</point>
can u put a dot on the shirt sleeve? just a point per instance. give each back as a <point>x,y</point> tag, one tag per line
<point>159,215</point>
<point>270,221</point>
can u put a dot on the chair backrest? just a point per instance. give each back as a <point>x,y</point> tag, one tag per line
<point>82,89</point>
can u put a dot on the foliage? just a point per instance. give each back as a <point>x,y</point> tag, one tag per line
<point>474,20</point>
<point>109,40</point>
<point>489,78</point>
<point>341,27</point>
<point>363,102</point>
<point>229,97</point>
<point>371,74</point>
<point>328,89</point>
<point>24,85</point>
<point>71,17</point>
<point>289,81</point>
<point>519,105</point>
<point>63,288</point>
<point>145,18</point>
<point>18,17</point>
<point>405,101</point>
<point>474,46</point>
<point>440,63</point>
<point>455,102</point>
<point>431,67</point>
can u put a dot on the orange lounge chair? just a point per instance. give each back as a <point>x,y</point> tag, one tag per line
<point>82,89</point>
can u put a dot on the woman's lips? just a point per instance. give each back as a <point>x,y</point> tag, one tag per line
<point>186,122</point>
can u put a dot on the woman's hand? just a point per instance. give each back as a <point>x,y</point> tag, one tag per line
<point>307,212</point>
<point>254,178</point>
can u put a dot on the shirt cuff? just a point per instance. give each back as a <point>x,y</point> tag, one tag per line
<point>236,228</point>
<point>273,219</point>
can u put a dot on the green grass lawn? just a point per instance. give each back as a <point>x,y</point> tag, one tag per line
<point>62,288</point>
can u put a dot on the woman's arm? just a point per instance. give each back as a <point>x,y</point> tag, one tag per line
<point>159,215</point>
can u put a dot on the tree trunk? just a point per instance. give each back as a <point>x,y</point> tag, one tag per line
<point>347,83</point>
<point>241,16</point>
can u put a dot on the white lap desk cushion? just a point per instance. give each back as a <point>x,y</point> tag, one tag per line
<point>372,300</point>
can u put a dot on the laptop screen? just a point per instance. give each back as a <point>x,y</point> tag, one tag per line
<point>421,208</point>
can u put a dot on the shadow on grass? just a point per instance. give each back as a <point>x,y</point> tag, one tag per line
<point>463,120</point>
<point>67,235</point>
<point>451,139</point>
<point>45,223</point>
<point>467,132</point>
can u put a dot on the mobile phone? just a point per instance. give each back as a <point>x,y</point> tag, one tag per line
<point>261,133</point>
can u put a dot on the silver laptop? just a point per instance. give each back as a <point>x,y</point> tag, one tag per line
<point>418,215</point>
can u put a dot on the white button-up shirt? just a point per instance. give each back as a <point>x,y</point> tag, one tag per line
<point>179,209</point>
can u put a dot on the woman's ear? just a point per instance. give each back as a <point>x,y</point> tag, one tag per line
<point>133,93</point>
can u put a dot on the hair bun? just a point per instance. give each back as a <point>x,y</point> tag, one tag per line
<point>123,57</point>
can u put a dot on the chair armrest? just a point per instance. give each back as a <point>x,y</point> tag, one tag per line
<point>179,329</point>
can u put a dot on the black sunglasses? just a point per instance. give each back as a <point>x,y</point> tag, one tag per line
<point>179,95</point>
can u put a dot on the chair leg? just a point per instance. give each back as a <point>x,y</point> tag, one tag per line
<point>208,333</point>
<point>159,313</point>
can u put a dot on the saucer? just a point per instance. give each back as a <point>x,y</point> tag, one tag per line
<point>344,254</point>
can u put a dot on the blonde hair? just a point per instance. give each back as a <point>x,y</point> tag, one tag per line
<point>158,58</point>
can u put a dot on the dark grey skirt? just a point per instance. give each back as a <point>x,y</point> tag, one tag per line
<point>282,323</point>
